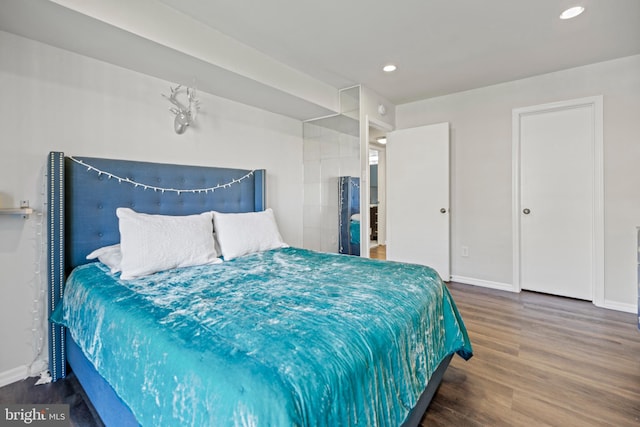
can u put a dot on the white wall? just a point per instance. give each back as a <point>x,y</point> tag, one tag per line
<point>481,167</point>
<point>56,100</point>
<point>369,106</point>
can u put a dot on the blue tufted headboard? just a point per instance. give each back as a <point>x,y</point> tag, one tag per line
<point>84,193</point>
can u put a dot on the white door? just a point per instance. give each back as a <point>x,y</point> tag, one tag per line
<point>418,197</point>
<point>557,199</point>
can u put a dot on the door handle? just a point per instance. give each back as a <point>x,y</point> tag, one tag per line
<point>443,210</point>
<point>526,211</point>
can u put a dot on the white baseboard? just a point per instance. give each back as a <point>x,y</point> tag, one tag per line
<point>620,306</point>
<point>484,283</point>
<point>608,304</point>
<point>21,372</point>
<point>13,375</point>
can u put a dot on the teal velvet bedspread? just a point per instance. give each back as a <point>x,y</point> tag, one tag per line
<point>287,337</point>
<point>354,232</point>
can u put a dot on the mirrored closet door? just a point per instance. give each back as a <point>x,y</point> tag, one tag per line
<point>332,193</point>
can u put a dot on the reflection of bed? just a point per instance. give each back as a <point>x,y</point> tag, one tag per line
<point>349,207</point>
<point>273,345</point>
<point>354,229</point>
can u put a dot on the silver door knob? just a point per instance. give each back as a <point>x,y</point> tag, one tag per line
<point>526,211</point>
<point>443,210</point>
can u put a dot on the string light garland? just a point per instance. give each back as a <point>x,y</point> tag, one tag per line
<point>38,284</point>
<point>40,302</point>
<point>162,189</point>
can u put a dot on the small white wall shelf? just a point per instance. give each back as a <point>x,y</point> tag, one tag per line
<point>24,212</point>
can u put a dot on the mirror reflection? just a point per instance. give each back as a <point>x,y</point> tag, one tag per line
<point>377,193</point>
<point>331,157</point>
<point>349,208</point>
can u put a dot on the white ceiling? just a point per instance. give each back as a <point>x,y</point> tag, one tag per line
<point>439,46</point>
<point>292,56</point>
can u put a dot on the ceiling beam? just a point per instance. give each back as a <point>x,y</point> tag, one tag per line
<point>149,37</point>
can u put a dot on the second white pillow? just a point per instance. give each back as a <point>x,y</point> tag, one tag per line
<point>244,233</point>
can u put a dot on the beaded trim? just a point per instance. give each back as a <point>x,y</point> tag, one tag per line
<point>57,362</point>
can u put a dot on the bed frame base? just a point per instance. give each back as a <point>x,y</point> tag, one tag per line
<point>418,411</point>
<point>111,409</point>
<point>114,412</point>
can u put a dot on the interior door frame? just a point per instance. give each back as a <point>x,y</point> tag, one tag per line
<point>597,231</point>
<point>365,172</point>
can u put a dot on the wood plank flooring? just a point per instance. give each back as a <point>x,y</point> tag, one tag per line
<point>540,360</point>
<point>378,252</point>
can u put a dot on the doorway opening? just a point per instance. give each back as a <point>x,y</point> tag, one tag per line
<point>377,193</point>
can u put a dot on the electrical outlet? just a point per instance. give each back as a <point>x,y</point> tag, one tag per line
<point>464,250</point>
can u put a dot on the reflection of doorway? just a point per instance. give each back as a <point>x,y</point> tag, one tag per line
<point>377,193</point>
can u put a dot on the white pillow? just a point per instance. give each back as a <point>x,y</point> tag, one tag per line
<point>151,243</point>
<point>244,233</point>
<point>109,256</point>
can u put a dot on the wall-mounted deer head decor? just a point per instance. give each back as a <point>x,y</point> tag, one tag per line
<point>184,115</point>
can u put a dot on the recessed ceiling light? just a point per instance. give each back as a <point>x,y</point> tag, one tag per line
<point>389,68</point>
<point>572,12</point>
<point>382,140</point>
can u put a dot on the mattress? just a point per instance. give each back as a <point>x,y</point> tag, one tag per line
<point>282,337</point>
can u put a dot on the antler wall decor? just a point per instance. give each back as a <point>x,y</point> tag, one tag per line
<point>184,115</point>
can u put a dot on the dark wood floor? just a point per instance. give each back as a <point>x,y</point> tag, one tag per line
<point>539,360</point>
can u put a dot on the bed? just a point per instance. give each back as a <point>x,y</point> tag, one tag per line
<point>282,336</point>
